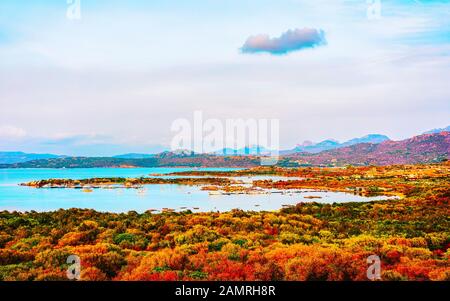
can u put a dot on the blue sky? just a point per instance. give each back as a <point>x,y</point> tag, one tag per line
<point>114,80</point>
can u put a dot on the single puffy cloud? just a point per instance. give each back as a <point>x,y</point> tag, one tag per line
<point>291,40</point>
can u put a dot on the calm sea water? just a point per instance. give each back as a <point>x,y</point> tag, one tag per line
<point>178,197</point>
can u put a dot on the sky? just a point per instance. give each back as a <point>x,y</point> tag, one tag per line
<point>113,78</point>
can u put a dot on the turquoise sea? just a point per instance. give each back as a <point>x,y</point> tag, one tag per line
<point>178,197</point>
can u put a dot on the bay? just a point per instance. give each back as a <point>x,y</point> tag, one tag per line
<point>152,197</point>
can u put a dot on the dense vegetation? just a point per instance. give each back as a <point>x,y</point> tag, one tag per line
<point>310,241</point>
<point>124,182</point>
<point>161,160</point>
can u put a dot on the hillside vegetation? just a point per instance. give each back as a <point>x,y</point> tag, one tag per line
<point>310,241</point>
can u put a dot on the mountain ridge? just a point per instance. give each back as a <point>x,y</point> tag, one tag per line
<point>329,144</point>
<point>438,130</point>
<point>426,148</point>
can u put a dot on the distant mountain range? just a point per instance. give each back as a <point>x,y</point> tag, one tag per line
<point>425,148</point>
<point>249,150</point>
<point>371,149</point>
<point>134,156</point>
<point>310,147</point>
<point>434,131</point>
<point>307,146</point>
<point>19,157</point>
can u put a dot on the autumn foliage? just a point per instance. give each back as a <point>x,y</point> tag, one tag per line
<point>310,241</point>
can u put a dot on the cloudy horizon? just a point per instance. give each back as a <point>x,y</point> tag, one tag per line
<point>114,80</point>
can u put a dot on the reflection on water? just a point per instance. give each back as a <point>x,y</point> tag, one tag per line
<point>149,197</point>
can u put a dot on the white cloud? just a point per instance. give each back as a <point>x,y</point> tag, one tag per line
<point>289,41</point>
<point>12,132</point>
